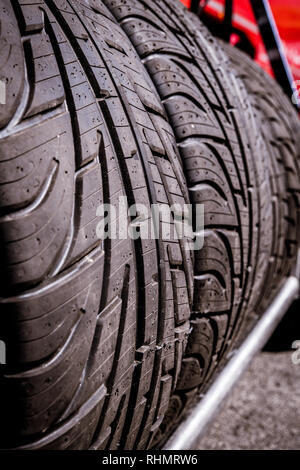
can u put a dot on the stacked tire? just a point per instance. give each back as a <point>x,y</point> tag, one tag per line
<point>109,340</point>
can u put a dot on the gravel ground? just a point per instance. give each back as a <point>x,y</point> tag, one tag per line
<point>263,411</point>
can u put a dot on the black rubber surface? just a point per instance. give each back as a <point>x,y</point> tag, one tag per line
<point>280,127</point>
<point>108,341</point>
<point>228,169</point>
<point>92,328</point>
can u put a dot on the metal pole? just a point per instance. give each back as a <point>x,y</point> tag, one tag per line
<point>194,6</point>
<point>188,433</point>
<point>274,47</point>
<point>227,22</point>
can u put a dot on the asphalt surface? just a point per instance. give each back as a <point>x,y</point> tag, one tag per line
<point>263,410</point>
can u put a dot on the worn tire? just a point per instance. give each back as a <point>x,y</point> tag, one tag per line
<point>280,128</point>
<point>226,163</point>
<point>94,330</point>
<point>102,351</point>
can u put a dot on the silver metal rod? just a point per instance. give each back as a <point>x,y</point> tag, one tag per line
<point>188,433</point>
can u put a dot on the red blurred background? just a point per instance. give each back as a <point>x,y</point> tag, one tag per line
<point>287,17</point>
